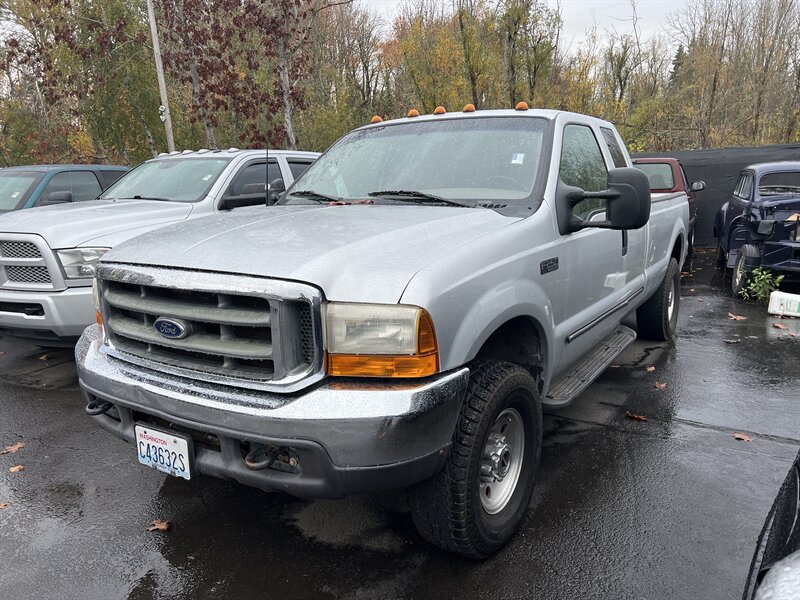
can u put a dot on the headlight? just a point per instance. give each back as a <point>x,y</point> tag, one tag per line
<point>380,340</point>
<point>79,263</point>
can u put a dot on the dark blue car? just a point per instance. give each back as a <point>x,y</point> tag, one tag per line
<point>40,185</point>
<point>760,225</point>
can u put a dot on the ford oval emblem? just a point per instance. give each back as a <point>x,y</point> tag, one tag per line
<point>174,329</point>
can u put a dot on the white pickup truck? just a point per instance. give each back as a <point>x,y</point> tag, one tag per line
<point>47,254</point>
<point>395,321</point>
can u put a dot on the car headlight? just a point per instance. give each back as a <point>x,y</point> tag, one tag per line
<point>79,263</point>
<point>380,340</point>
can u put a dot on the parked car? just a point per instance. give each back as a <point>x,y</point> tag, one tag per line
<point>760,225</point>
<point>667,176</point>
<point>42,185</point>
<point>775,568</point>
<point>47,255</point>
<point>395,321</point>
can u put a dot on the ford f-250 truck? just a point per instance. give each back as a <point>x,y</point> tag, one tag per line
<point>47,254</point>
<point>396,321</point>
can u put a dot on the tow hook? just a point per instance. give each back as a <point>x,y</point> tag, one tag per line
<point>97,407</point>
<point>259,457</point>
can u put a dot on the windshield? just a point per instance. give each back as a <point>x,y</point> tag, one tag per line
<point>174,179</point>
<point>472,160</point>
<point>15,186</point>
<point>786,182</point>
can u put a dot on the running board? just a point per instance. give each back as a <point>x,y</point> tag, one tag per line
<point>572,383</point>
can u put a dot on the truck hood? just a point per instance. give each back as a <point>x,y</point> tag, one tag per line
<point>353,253</point>
<point>95,222</point>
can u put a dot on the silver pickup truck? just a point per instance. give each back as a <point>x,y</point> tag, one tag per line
<point>396,321</point>
<point>47,254</point>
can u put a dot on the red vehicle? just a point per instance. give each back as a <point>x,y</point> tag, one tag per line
<point>667,176</point>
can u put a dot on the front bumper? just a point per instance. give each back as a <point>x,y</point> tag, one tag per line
<point>348,436</point>
<point>46,316</point>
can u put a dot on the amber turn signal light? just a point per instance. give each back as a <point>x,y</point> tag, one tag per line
<point>98,317</point>
<point>354,365</point>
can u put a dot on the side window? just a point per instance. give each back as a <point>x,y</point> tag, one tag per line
<point>582,166</point>
<point>298,167</point>
<point>250,180</point>
<point>613,146</point>
<point>744,187</point>
<point>82,184</point>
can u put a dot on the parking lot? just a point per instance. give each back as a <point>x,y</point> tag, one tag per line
<point>669,507</point>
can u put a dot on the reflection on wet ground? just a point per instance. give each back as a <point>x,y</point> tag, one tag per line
<point>670,507</point>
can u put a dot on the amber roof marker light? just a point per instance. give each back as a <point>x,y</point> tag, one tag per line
<point>376,119</point>
<point>439,110</point>
<point>469,107</point>
<point>521,106</point>
<point>413,113</point>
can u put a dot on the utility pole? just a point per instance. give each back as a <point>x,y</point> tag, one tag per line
<point>162,86</point>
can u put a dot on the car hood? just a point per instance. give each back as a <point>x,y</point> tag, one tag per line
<point>95,222</point>
<point>353,253</point>
<point>780,204</point>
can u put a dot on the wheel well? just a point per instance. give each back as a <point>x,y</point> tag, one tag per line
<point>517,341</point>
<point>677,249</point>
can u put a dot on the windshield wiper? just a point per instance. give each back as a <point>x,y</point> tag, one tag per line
<point>140,197</point>
<point>312,195</point>
<point>421,196</point>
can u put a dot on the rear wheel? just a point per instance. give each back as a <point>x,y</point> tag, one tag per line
<point>477,502</point>
<point>657,318</point>
<point>690,242</point>
<point>741,275</point>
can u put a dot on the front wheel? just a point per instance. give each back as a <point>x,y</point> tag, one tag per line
<point>477,502</point>
<point>657,318</point>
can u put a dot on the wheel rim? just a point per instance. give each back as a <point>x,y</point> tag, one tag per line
<point>501,463</point>
<point>671,301</point>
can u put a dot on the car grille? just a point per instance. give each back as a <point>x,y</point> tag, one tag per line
<point>19,274</point>
<point>27,264</point>
<point>226,334</point>
<point>19,250</point>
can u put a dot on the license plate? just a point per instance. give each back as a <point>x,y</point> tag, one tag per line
<point>166,451</point>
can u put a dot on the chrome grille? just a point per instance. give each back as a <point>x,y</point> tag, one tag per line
<point>19,250</point>
<point>19,274</point>
<point>239,336</point>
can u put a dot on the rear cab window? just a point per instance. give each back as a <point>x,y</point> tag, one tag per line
<point>659,174</point>
<point>298,166</point>
<point>617,155</point>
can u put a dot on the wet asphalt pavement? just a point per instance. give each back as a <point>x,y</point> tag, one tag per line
<point>668,508</point>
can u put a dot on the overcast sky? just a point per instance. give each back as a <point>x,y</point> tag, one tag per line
<point>580,15</point>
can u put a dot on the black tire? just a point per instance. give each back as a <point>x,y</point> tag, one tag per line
<point>740,278</point>
<point>722,258</point>
<point>447,509</point>
<point>690,242</point>
<point>653,317</point>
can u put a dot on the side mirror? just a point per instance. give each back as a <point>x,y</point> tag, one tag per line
<point>627,202</point>
<point>275,188</point>
<point>57,198</point>
<point>698,186</point>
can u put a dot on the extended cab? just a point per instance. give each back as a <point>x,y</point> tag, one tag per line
<point>47,255</point>
<point>396,321</point>
<point>667,176</point>
<point>43,185</point>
